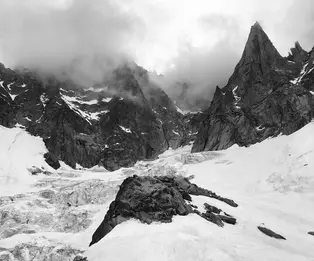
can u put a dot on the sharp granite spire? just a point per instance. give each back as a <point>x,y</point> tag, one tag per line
<point>266,95</point>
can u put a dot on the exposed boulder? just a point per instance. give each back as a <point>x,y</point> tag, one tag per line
<point>213,218</point>
<point>311,233</point>
<point>52,160</point>
<point>213,209</point>
<point>153,199</point>
<point>220,216</point>
<point>270,233</point>
<point>228,219</point>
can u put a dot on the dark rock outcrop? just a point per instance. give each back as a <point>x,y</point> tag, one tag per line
<point>218,216</point>
<point>80,258</point>
<point>185,186</point>
<point>270,233</point>
<point>150,199</point>
<point>213,218</point>
<point>114,123</point>
<point>146,199</point>
<point>213,209</point>
<point>228,219</point>
<point>311,233</point>
<point>267,95</point>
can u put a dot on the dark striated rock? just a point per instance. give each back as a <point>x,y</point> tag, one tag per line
<point>80,258</point>
<point>114,123</point>
<point>51,160</point>
<point>311,233</point>
<point>297,55</point>
<point>270,233</point>
<point>213,218</point>
<point>146,199</point>
<point>213,209</point>
<point>183,184</point>
<point>150,199</point>
<point>266,95</point>
<point>228,219</point>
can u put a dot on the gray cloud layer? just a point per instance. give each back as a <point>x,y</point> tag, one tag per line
<point>204,69</point>
<point>86,39</point>
<point>83,38</point>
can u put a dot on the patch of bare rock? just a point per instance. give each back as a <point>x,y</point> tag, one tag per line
<point>158,199</point>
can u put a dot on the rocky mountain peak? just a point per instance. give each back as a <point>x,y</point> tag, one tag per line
<point>266,95</point>
<point>257,25</point>
<point>297,53</point>
<point>298,46</point>
<point>259,48</point>
<point>258,70</point>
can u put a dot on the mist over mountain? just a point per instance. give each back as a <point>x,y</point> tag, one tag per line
<point>86,40</point>
<point>80,40</point>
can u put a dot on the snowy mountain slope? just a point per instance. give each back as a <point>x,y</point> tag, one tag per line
<point>19,151</point>
<point>272,182</point>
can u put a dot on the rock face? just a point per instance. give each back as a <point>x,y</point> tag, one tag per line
<point>113,123</point>
<point>150,199</point>
<point>266,95</point>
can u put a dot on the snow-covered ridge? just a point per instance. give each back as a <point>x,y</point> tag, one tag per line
<point>19,151</point>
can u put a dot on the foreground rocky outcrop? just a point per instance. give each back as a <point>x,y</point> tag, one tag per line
<point>113,123</point>
<point>267,95</point>
<point>157,199</point>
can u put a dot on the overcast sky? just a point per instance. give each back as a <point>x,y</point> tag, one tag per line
<point>200,40</point>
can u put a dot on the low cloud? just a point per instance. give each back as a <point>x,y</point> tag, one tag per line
<point>198,42</point>
<point>80,39</point>
<point>212,62</point>
<point>205,67</point>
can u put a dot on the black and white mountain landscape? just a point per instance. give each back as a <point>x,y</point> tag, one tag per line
<point>125,168</point>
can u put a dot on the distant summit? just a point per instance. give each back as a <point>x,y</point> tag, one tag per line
<point>266,95</point>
